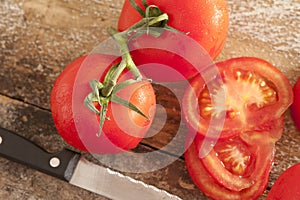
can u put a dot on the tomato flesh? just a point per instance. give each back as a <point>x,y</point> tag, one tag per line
<point>235,156</point>
<point>248,87</point>
<point>248,91</point>
<point>295,107</point>
<point>211,188</point>
<point>236,164</point>
<point>228,163</point>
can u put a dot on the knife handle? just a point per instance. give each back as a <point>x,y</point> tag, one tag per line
<point>16,148</point>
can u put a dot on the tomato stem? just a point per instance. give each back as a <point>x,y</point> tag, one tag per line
<point>122,40</point>
<point>137,8</point>
<point>103,93</point>
<point>126,62</point>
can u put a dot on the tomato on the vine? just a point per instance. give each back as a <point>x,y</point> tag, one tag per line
<point>123,128</point>
<point>286,186</point>
<point>204,21</point>
<point>295,107</point>
<point>247,97</point>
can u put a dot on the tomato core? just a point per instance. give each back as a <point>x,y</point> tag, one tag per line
<point>235,156</point>
<point>250,88</point>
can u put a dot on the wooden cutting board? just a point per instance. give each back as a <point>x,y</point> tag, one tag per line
<point>38,38</point>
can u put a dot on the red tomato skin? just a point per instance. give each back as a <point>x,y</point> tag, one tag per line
<point>295,107</point>
<point>62,90</point>
<point>170,57</point>
<point>158,59</point>
<point>115,139</point>
<point>286,187</point>
<point>205,21</point>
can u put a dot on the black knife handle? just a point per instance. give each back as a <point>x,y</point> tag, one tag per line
<point>16,148</point>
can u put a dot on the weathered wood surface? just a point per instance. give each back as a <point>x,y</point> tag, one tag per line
<point>38,38</point>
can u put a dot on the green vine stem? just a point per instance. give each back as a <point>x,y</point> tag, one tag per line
<point>121,39</point>
<point>103,93</point>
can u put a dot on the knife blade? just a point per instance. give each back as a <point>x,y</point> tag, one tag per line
<point>75,169</point>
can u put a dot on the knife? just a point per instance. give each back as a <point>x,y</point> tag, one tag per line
<point>75,169</point>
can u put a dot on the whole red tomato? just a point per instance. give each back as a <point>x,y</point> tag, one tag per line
<point>234,159</point>
<point>295,107</point>
<point>204,21</point>
<point>286,186</point>
<point>123,128</point>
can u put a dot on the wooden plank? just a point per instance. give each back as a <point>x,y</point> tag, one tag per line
<point>38,38</point>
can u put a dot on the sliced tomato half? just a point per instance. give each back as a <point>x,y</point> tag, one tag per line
<point>249,94</point>
<point>238,162</point>
<point>219,188</point>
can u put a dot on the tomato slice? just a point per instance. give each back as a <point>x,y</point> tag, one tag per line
<point>211,188</point>
<point>230,164</point>
<point>286,186</point>
<point>238,162</point>
<point>250,93</point>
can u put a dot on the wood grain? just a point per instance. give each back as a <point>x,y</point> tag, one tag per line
<point>38,38</point>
